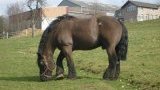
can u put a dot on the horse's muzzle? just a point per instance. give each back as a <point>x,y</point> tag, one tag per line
<point>44,78</point>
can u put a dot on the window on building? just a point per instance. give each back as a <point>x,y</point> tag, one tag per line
<point>145,17</point>
<point>152,17</point>
<point>120,14</point>
<point>156,17</point>
<point>131,8</point>
<point>141,8</point>
<point>142,17</point>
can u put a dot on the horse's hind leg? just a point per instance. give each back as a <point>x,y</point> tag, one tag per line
<point>117,69</point>
<point>67,50</point>
<point>111,73</point>
<point>60,69</point>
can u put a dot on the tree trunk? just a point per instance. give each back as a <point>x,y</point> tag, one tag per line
<point>33,28</point>
<point>33,23</point>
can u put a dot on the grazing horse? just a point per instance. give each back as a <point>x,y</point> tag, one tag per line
<point>68,33</point>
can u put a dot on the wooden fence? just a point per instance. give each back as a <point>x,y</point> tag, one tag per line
<point>23,33</point>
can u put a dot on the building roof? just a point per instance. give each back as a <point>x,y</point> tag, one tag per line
<point>79,3</point>
<point>103,6</point>
<point>142,4</point>
<point>92,5</point>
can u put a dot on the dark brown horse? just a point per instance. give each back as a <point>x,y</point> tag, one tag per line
<point>68,33</point>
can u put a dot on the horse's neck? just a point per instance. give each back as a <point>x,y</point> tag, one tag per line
<point>45,44</point>
<point>46,51</point>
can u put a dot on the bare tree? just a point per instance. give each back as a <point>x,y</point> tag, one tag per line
<point>3,25</point>
<point>158,2</point>
<point>15,9</point>
<point>96,7</point>
<point>33,6</point>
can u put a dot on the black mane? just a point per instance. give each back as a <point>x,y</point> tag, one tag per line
<point>45,34</point>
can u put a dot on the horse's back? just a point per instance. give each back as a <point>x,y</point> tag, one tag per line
<point>84,34</point>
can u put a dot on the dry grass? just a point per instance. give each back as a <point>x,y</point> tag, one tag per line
<point>27,33</point>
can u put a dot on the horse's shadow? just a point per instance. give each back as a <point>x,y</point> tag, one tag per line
<point>36,78</point>
<point>24,78</point>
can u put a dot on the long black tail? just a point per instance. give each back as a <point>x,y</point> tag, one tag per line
<point>122,47</point>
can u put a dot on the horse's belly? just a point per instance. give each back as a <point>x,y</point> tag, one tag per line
<point>85,43</point>
<point>85,39</point>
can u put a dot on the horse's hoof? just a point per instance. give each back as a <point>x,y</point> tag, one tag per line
<point>43,78</point>
<point>110,75</point>
<point>60,77</point>
<point>110,78</point>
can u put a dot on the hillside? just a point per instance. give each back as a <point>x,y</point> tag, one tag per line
<point>19,71</point>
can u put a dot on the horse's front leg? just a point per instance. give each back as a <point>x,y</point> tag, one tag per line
<point>60,69</point>
<point>67,50</point>
<point>112,72</point>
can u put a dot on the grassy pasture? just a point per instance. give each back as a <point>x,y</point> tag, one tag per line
<point>19,71</point>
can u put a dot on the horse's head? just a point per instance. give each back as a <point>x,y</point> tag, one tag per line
<point>46,65</point>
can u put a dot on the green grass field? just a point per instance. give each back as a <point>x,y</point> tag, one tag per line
<point>19,71</point>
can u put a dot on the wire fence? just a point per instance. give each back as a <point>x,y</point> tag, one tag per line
<point>3,35</point>
<point>24,33</point>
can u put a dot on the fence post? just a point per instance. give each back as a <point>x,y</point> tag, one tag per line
<point>26,32</point>
<point>3,35</point>
<point>7,35</point>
